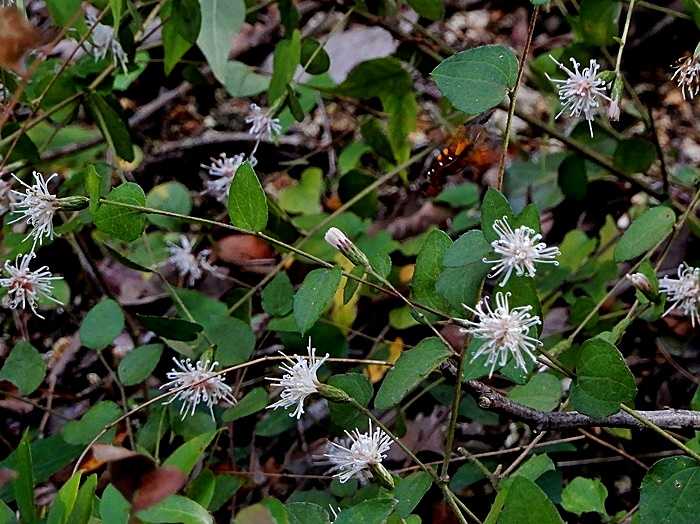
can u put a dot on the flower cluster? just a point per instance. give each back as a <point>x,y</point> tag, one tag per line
<point>504,331</point>
<point>358,454</point>
<point>687,76</point>
<point>683,292</point>
<point>519,251</point>
<point>36,206</point>
<point>223,169</point>
<point>581,91</point>
<point>103,41</point>
<point>197,383</point>
<point>262,125</point>
<point>187,264</point>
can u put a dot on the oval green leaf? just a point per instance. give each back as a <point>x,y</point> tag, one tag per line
<point>669,492</point>
<point>645,232</point>
<point>102,325</point>
<point>139,363</point>
<point>314,296</point>
<point>247,203</point>
<point>121,222</point>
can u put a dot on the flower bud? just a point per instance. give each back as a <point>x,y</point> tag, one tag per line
<point>641,283</point>
<point>73,203</point>
<point>382,476</point>
<point>333,393</point>
<point>339,240</point>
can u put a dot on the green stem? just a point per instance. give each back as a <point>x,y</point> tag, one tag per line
<point>623,39</point>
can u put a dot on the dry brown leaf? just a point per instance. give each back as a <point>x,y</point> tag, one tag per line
<point>7,475</point>
<point>157,485</point>
<point>244,250</point>
<point>17,38</point>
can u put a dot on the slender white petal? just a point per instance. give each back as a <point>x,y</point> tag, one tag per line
<point>519,251</point>
<point>201,385</point>
<point>353,456</point>
<point>103,41</point>
<point>24,286</point>
<point>222,169</point>
<point>683,292</point>
<point>262,125</point>
<point>581,91</point>
<point>504,331</point>
<point>298,381</point>
<point>37,206</point>
<point>687,76</point>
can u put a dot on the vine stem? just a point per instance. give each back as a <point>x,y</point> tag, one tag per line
<point>623,39</point>
<point>513,97</point>
<point>449,495</point>
<point>665,434</point>
<point>244,365</point>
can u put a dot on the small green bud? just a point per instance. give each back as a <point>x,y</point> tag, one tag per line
<point>382,476</point>
<point>73,203</point>
<point>333,393</point>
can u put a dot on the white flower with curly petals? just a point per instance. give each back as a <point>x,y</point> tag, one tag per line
<point>187,264</point>
<point>200,384</point>
<point>102,41</point>
<point>687,76</point>
<point>504,332</point>
<point>519,251</point>
<point>24,286</point>
<point>223,169</point>
<point>684,292</point>
<point>37,206</point>
<point>580,92</point>
<point>298,382</point>
<point>356,454</point>
<point>262,125</point>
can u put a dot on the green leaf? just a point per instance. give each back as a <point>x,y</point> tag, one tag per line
<point>603,380</point>
<point>305,196</point>
<point>314,296</point>
<point>24,368</point>
<point>358,387</point>
<point>278,296</point>
<point>116,6</point>
<point>372,511</point>
<point>668,493</point>
<point>376,78</point>
<point>62,505</point>
<point>23,485</point>
<point>429,268</point>
<point>233,338</point>
<point>403,114</point>
<point>178,509</point>
<point>462,195</point>
<point>430,9</point>
<point>63,11</point>
<point>494,207</point>
<point>572,177</point>
<point>114,508</point>
<point>171,328</point>
<point>645,232</point>
<point>103,323</point>
<point>226,486</point>
<point>186,456</point>
<point>83,507</point>
<point>478,79</point>
<point>247,203</point>
<point>464,270</point>
<point>321,61</point>
<point>306,513</point>
<point>583,495</point>
<point>542,392</point>
<point>634,155</point>
<point>598,21</point>
<point>534,467</point>
<point>412,367</point>
<point>112,125</point>
<point>201,489</point>
<point>274,423</point>
<point>93,186</point>
<point>221,22</point>
<point>526,503</point>
<point>169,196</point>
<point>285,63</point>
<point>409,492</point>
<point>121,222</point>
<point>182,23</point>
<point>91,423</point>
<point>139,363</point>
<point>253,401</point>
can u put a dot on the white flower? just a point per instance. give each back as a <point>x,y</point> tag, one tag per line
<point>684,292</point>
<point>224,168</point>
<point>37,206</point>
<point>186,262</point>
<point>201,385</point>
<point>340,241</point>
<point>262,125</point>
<point>298,382</point>
<point>504,331</point>
<point>24,286</point>
<point>614,110</point>
<point>5,188</point>
<point>579,92</point>
<point>103,41</point>
<point>356,454</point>
<point>687,76</point>
<point>520,250</point>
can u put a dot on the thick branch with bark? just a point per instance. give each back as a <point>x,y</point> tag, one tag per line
<point>492,400</point>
